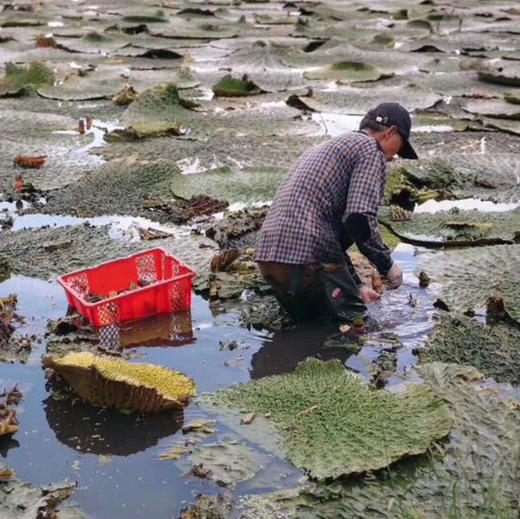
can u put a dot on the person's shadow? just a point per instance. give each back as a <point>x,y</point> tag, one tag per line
<point>286,349</point>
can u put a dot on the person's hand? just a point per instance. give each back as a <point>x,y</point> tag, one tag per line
<point>395,276</point>
<point>368,294</point>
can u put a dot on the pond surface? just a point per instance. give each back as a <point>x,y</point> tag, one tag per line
<point>113,456</point>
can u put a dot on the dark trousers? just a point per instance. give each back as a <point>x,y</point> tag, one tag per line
<point>309,292</point>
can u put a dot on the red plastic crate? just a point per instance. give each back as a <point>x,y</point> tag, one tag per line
<point>167,290</point>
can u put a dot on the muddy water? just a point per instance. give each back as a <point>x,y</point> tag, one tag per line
<point>113,456</point>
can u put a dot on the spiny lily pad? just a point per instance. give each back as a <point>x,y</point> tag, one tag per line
<point>513,97</point>
<point>117,383</point>
<point>159,103</point>
<point>332,424</point>
<point>507,74</point>
<point>94,42</point>
<point>65,249</point>
<point>145,16</point>
<point>348,72</point>
<point>470,276</point>
<point>487,177</point>
<point>248,185</point>
<point>481,455</point>
<point>19,500</point>
<point>493,350</point>
<point>144,130</point>
<point>457,227</point>
<point>18,80</point>
<point>77,88</point>
<point>495,108</point>
<point>229,86</point>
<point>359,100</point>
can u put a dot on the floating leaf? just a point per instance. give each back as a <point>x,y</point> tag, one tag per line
<point>493,350</point>
<point>229,86</point>
<point>117,383</point>
<point>232,185</point>
<point>487,177</point>
<point>348,72</point>
<point>481,454</point>
<point>354,429</point>
<point>19,80</point>
<point>503,74</point>
<point>469,277</point>
<point>456,227</point>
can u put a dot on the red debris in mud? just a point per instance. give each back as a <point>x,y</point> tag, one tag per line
<point>30,162</point>
<point>47,42</point>
<point>222,261</point>
<point>18,183</point>
<point>377,283</point>
<point>204,205</point>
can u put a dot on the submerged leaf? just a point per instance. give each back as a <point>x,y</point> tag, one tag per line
<point>227,463</point>
<point>353,428</point>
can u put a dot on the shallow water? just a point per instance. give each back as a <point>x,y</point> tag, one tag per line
<point>466,204</point>
<point>114,456</point>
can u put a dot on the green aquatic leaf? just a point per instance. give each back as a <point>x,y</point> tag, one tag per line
<point>348,72</point>
<point>248,185</point>
<point>456,226</point>
<point>475,474</point>
<point>483,176</point>
<point>161,102</point>
<point>494,108</point>
<point>230,86</point>
<point>20,80</point>
<point>332,424</point>
<point>493,350</point>
<point>229,462</point>
<point>469,277</point>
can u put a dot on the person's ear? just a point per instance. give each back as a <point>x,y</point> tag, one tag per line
<point>392,130</point>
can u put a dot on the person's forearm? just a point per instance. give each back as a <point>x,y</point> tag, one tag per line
<point>364,229</point>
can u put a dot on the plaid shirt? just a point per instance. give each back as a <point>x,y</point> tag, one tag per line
<point>305,223</point>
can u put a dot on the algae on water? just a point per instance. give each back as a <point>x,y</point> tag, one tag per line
<point>332,424</point>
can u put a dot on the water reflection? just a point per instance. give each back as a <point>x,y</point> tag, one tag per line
<point>283,352</point>
<point>160,330</point>
<point>96,430</point>
<point>7,443</point>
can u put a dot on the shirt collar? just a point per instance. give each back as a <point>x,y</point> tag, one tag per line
<point>379,147</point>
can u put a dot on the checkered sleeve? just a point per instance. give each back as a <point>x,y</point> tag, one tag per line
<point>365,194</point>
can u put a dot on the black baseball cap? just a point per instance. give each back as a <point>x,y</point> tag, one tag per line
<point>393,114</point>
